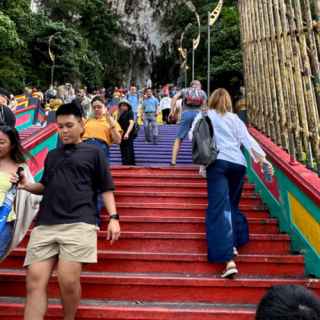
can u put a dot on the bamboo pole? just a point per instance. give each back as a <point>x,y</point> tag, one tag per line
<point>272,71</point>
<point>255,112</point>
<point>249,76</point>
<point>317,23</point>
<point>258,71</point>
<point>306,77</point>
<point>280,78</point>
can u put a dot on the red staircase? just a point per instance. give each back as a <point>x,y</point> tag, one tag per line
<point>158,270</point>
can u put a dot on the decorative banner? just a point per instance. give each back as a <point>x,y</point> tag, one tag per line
<point>215,13</point>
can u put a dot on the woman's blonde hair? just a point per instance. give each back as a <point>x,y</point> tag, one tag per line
<point>220,101</point>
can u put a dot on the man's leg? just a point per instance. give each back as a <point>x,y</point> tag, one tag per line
<point>38,275</point>
<point>146,128</point>
<point>70,288</point>
<point>154,129</point>
<point>175,150</point>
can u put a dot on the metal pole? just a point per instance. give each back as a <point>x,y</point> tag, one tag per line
<point>186,73</point>
<point>192,62</point>
<point>52,73</point>
<point>209,55</point>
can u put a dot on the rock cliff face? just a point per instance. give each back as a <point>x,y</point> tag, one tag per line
<point>143,33</point>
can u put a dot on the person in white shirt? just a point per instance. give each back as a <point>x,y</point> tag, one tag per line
<point>227,227</point>
<point>165,106</point>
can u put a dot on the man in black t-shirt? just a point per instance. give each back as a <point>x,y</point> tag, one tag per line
<point>66,226</point>
<point>7,117</point>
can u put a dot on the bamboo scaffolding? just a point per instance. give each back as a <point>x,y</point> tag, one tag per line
<point>273,73</point>
<point>312,51</point>
<point>307,81</point>
<point>281,50</point>
<point>280,82</point>
<point>316,4</point>
<point>293,56</point>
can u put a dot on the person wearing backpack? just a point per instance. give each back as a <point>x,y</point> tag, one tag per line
<point>227,227</point>
<point>193,99</point>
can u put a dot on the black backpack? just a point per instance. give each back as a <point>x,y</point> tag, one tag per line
<point>204,147</point>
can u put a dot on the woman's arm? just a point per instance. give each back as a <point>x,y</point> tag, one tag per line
<point>127,134</point>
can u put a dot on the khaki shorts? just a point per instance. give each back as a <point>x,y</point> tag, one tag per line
<point>76,242</point>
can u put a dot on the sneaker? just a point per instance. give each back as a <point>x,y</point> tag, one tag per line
<point>230,272</point>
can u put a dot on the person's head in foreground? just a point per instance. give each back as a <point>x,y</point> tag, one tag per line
<point>70,123</point>
<point>289,302</point>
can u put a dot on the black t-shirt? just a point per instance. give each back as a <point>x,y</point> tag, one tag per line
<point>124,120</point>
<point>73,176</point>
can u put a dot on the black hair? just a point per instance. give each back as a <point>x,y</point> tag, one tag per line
<point>289,302</point>
<point>4,92</point>
<point>17,152</point>
<point>98,98</point>
<point>72,108</point>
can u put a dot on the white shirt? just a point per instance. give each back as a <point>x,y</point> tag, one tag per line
<point>165,103</point>
<point>230,133</point>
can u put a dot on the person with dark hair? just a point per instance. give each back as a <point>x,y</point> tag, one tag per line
<point>101,129</point>
<point>11,159</point>
<point>6,115</point>
<point>292,302</point>
<point>65,232</point>
<point>126,121</point>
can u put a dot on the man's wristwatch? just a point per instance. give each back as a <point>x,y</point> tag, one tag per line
<point>114,216</point>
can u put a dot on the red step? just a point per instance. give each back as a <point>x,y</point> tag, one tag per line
<point>159,287</point>
<point>168,186</point>
<point>191,263</point>
<point>186,243</point>
<point>174,197</point>
<point>183,224</point>
<point>126,310</point>
<point>191,210</point>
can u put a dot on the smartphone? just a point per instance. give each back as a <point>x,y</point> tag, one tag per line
<point>266,173</point>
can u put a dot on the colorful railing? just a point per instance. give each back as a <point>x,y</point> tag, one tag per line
<point>293,197</point>
<point>37,148</point>
<point>29,113</point>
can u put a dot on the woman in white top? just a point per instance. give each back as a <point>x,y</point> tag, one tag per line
<point>227,227</point>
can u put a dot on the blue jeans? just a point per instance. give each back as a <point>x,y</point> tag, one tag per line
<point>102,145</point>
<point>186,123</point>
<point>106,150</point>
<point>151,130</point>
<point>226,226</point>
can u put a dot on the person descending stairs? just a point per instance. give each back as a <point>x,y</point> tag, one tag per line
<point>159,269</point>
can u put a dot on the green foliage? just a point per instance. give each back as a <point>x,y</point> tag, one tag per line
<point>87,49</point>
<point>226,57</point>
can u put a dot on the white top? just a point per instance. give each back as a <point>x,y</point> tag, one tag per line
<point>165,103</point>
<point>230,133</point>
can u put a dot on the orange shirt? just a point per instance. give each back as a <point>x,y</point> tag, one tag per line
<point>100,129</point>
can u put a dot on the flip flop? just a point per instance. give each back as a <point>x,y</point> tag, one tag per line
<point>230,272</point>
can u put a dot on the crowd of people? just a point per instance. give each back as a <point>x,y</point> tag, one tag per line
<point>77,174</point>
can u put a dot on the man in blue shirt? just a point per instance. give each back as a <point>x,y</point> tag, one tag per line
<point>150,109</point>
<point>133,98</point>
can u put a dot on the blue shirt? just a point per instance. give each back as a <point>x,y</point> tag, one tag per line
<point>150,105</point>
<point>134,101</point>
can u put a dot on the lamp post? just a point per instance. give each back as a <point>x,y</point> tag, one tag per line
<point>212,18</point>
<point>195,41</point>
